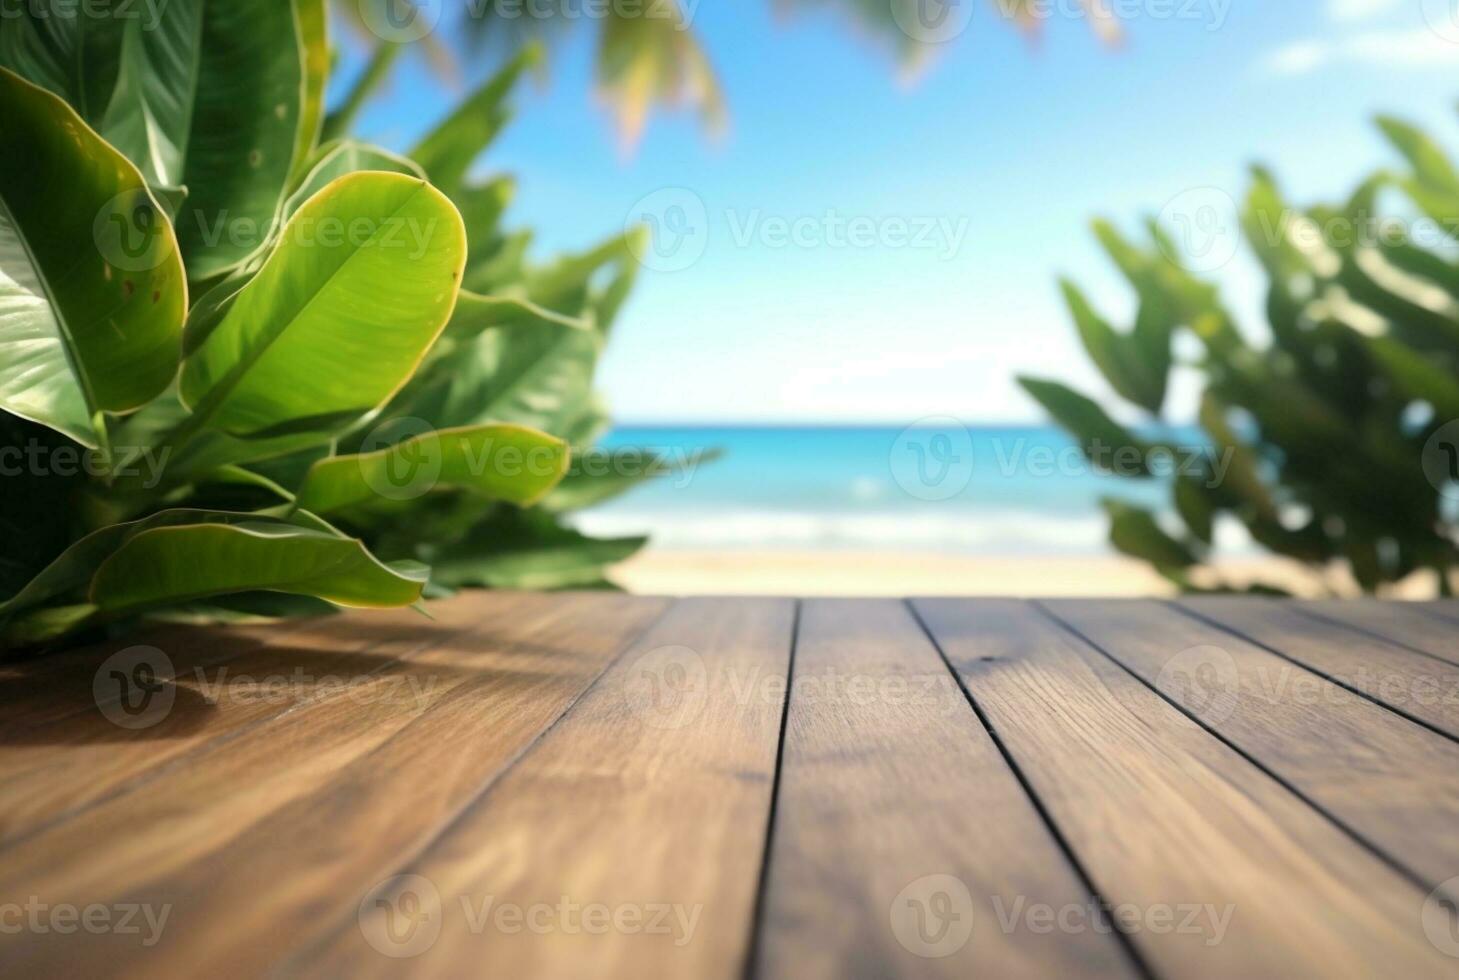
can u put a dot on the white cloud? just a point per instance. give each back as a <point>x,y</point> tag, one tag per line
<point>1392,50</point>
<point>1348,11</point>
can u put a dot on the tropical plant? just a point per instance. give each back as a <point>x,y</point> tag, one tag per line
<point>649,53</point>
<point>1334,438</point>
<point>246,373</point>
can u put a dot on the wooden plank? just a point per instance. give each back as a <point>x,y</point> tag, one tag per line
<point>279,799</point>
<point>1405,623</point>
<point>1173,825</point>
<point>628,842</point>
<point>38,692</point>
<point>51,770</point>
<point>1392,782</point>
<point>1447,609</point>
<point>1421,687</point>
<point>884,766</point>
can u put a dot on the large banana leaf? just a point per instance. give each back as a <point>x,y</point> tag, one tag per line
<point>193,561</point>
<point>331,328</point>
<point>212,98</point>
<point>92,290</point>
<point>72,53</point>
<point>500,462</point>
<point>67,576</point>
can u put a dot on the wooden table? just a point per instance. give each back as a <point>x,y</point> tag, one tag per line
<point>601,785</point>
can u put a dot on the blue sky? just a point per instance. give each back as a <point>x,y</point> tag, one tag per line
<point>1014,146</point>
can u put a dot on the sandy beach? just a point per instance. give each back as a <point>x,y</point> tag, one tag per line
<point>890,573</point>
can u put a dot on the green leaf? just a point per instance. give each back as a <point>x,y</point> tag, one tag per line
<point>332,326</point>
<point>1431,167</point>
<point>528,550</point>
<point>1194,504</point>
<point>311,20</point>
<point>69,572</point>
<point>600,476</point>
<point>1134,532</point>
<point>482,206</point>
<point>69,51</point>
<point>500,462</point>
<point>1242,481</point>
<point>475,314</point>
<point>1115,354</point>
<point>450,149</point>
<point>166,565</point>
<point>212,99</point>
<point>1418,377</point>
<point>340,158</point>
<point>538,375</point>
<point>1098,434</point>
<point>92,291</point>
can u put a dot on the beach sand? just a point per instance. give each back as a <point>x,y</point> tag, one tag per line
<point>857,573</point>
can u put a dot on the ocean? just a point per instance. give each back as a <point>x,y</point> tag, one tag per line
<point>946,487</point>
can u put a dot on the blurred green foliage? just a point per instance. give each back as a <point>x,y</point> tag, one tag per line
<point>1327,436</point>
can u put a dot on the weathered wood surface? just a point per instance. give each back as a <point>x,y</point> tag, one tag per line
<point>601,785</point>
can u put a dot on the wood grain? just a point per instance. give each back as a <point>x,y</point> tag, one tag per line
<point>49,771</point>
<point>889,787</point>
<point>1394,783</point>
<point>1167,820</point>
<point>628,841</point>
<point>141,846</point>
<point>1422,687</point>
<point>1409,624</point>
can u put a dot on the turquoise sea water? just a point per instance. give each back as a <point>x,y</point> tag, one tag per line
<point>941,486</point>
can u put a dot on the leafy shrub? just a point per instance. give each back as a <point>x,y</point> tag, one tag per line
<point>1332,435</point>
<point>247,374</point>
